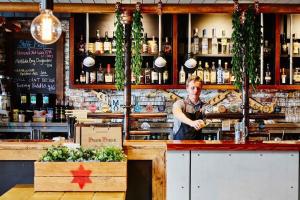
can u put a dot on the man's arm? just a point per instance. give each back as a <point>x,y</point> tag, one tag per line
<point>197,124</point>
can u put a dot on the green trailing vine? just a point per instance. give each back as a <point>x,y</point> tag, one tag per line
<point>137,31</point>
<point>246,38</point>
<point>119,59</point>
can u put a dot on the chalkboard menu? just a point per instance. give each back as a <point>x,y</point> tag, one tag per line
<point>34,66</point>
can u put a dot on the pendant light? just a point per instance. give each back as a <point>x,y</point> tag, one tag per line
<point>191,62</point>
<point>46,28</point>
<point>160,62</point>
<point>88,61</point>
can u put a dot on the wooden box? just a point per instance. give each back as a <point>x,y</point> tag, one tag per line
<point>80,176</point>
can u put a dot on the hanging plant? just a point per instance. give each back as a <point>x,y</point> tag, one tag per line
<point>119,59</point>
<point>137,35</point>
<point>246,38</point>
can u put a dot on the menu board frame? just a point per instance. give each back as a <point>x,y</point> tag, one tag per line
<point>59,59</point>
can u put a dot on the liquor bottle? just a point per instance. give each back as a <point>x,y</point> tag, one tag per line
<point>82,77</point>
<point>232,77</point>
<point>133,78</point>
<point>213,74</point>
<point>167,46</point>
<point>199,71</point>
<point>87,77</point>
<point>107,44</point>
<point>181,75</point>
<point>147,74</point>
<point>45,101</point>
<point>206,74</point>
<point>268,77</point>
<point>142,77</point>
<point>214,42</point>
<point>33,101</point>
<point>220,73</point>
<point>283,76</point>
<point>154,76</point>
<point>114,44</point>
<point>62,112</point>
<point>160,77</point>
<point>284,46</point>
<point>296,45</point>
<point>226,74</point>
<point>195,48</point>
<point>108,77</point>
<point>145,44</point>
<point>224,43</point>
<point>296,76</point>
<point>267,49</point>
<point>56,117</point>
<point>98,43</point>
<point>165,77</point>
<point>93,77</point>
<point>100,74</point>
<point>81,45</point>
<point>204,43</point>
<point>153,46</point>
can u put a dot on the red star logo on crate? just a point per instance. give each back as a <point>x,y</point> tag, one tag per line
<point>81,176</point>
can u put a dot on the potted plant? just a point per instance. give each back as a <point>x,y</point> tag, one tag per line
<point>65,169</point>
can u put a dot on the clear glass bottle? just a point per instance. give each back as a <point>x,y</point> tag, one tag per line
<point>268,77</point>
<point>181,75</point>
<point>224,43</point>
<point>82,77</point>
<point>167,49</point>
<point>153,46</point>
<point>108,77</point>
<point>100,74</point>
<point>145,44</point>
<point>226,74</point>
<point>220,73</point>
<point>81,45</point>
<point>154,76</point>
<point>204,43</point>
<point>296,45</point>
<point>87,77</point>
<point>267,49</point>
<point>107,44</point>
<point>114,44</point>
<point>199,71</point>
<point>213,74</point>
<point>98,43</point>
<point>206,74</point>
<point>214,42</point>
<point>147,74</point>
<point>232,77</point>
<point>93,77</point>
<point>283,76</point>
<point>296,76</point>
<point>195,46</point>
<point>284,45</point>
<point>165,77</point>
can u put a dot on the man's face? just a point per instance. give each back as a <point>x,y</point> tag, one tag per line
<point>194,88</point>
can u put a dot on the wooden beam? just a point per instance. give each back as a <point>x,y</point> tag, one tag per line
<point>146,8</point>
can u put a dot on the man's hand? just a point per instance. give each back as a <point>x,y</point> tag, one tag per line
<point>197,124</point>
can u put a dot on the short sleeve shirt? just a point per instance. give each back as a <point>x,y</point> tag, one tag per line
<point>187,107</point>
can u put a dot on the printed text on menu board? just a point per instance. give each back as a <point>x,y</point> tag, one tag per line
<point>34,67</point>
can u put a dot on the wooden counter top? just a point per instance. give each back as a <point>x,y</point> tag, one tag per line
<point>216,145</point>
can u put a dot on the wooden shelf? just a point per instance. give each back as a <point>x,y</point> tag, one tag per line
<point>239,116</point>
<point>214,55</point>
<point>98,115</point>
<point>113,55</point>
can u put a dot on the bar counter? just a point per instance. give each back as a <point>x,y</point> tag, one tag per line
<point>219,145</point>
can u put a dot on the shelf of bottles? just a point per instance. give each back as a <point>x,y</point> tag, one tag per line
<point>210,46</point>
<point>103,48</point>
<point>290,51</point>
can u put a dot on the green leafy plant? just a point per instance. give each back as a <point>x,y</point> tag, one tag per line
<point>64,154</point>
<point>119,59</point>
<point>246,38</point>
<point>137,31</point>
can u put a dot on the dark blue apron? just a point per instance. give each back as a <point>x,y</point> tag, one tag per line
<point>186,132</point>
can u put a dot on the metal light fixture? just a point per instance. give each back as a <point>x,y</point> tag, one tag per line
<point>191,62</point>
<point>46,28</point>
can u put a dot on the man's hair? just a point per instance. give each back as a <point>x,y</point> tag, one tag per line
<point>193,78</point>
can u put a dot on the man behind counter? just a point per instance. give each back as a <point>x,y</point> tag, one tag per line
<point>188,112</point>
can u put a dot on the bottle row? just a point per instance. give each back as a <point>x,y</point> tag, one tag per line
<point>286,46</point>
<point>212,45</point>
<point>107,76</point>
<point>108,45</point>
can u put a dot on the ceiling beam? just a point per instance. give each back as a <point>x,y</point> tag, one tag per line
<point>146,8</point>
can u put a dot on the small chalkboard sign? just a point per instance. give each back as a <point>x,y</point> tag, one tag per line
<point>36,68</point>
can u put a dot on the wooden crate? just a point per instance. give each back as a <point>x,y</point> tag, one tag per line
<point>80,176</point>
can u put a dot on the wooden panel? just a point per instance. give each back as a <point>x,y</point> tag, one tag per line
<point>64,169</point>
<point>277,49</point>
<point>65,184</point>
<point>25,192</point>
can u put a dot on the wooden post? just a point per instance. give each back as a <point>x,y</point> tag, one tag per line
<point>127,21</point>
